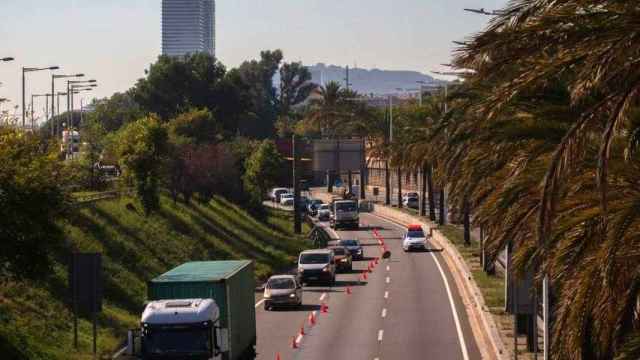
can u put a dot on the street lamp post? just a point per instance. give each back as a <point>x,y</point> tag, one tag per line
<point>24,71</point>
<point>53,91</point>
<point>76,90</point>
<point>71,84</point>
<point>32,108</point>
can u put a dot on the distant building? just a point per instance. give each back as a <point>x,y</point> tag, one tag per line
<point>188,27</point>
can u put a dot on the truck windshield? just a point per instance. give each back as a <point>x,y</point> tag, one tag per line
<point>314,259</point>
<point>187,339</point>
<point>348,207</point>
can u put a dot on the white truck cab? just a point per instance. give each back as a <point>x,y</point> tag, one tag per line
<point>185,329</point>
<point>345,213</point>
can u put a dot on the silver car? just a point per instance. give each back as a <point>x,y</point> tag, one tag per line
<point>282,290</point>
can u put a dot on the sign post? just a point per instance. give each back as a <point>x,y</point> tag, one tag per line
<point>85,282</point>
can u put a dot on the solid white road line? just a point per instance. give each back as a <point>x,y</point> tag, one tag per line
<point>259,302</point>
<point>380,334</point>
<point>456,319</point>
<point>386,294</point>
<point>384,313</point>
<point>463,344</point>
<point>388,280</point>
<point>119,353</point>
<point>323,296</point>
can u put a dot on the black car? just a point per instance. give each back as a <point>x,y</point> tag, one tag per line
<point>354,247</point>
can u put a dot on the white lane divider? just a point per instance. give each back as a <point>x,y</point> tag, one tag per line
<point>384,313</point>
<point>323,296</point>
<point>259,302</point>
<point>388,268</point>
<point>380,334</point>
<point>388,280</point>
<point>386,294</point>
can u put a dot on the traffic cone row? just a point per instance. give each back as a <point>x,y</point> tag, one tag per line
<point>312,319</point>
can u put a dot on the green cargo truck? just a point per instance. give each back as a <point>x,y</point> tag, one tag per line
<point>181,317</point>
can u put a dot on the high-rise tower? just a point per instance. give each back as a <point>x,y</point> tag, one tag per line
<point>188,26</point>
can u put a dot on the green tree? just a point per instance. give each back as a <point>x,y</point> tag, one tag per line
<point>262,170</point>
<point>32,200</point>
<point>115,111</point>
<point>262,111</point>
<point>142,148</point>
<point>176,85</point>
<point>196,126</point>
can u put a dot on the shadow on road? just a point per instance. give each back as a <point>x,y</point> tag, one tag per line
<point>303,307</point>
<point>426,251</point>
<point>340,284</point>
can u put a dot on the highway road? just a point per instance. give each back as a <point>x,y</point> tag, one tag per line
<point>404,310</point>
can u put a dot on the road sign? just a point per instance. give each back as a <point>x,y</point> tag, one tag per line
<point>338,183</point>
<point>85,283</point>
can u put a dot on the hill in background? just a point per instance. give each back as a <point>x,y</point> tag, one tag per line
<point>374,81</point>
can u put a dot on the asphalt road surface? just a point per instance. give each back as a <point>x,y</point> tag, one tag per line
<point>404,310</point>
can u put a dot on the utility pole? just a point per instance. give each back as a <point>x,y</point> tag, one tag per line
<point>297,225</point>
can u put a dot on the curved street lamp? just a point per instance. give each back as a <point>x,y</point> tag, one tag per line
<point>24,71</point>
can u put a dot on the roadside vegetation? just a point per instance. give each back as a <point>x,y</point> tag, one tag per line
<point>36,323</point>
<point>190,151</point>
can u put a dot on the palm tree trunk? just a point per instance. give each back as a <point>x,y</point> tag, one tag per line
<point>432,201</point>
<point>423,190</point>
<point>467,222</point>
<point>387,183</point>
<point>442,209</point>
<point>399,187</point>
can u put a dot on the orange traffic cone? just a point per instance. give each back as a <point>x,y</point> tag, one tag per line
<point>278,356</point>
<point>364,275</point>
<point>348,290</point>
<point>377,260</point>
<point>324,308</point>
<point>294,344</point>
<point>302,329</point>
<point>312,319</point>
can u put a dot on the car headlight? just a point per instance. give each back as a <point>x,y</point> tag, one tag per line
<point>267,294</point>
<point>359,251</point>
<point>344,260</point>
<point>300,269</point>
<point>292,296</point>
<point>326,269</point>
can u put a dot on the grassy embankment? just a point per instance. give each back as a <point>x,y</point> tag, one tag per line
<point>36,324</point>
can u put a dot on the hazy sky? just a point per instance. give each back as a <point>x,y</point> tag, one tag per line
<point>115,40</point>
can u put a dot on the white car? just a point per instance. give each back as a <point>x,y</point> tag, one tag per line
<point>414,239</point>
<point>286,199</point>
<point>276,193</point>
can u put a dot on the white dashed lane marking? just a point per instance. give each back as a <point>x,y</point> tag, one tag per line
<point>384,313</point>
<point>380,334</point>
